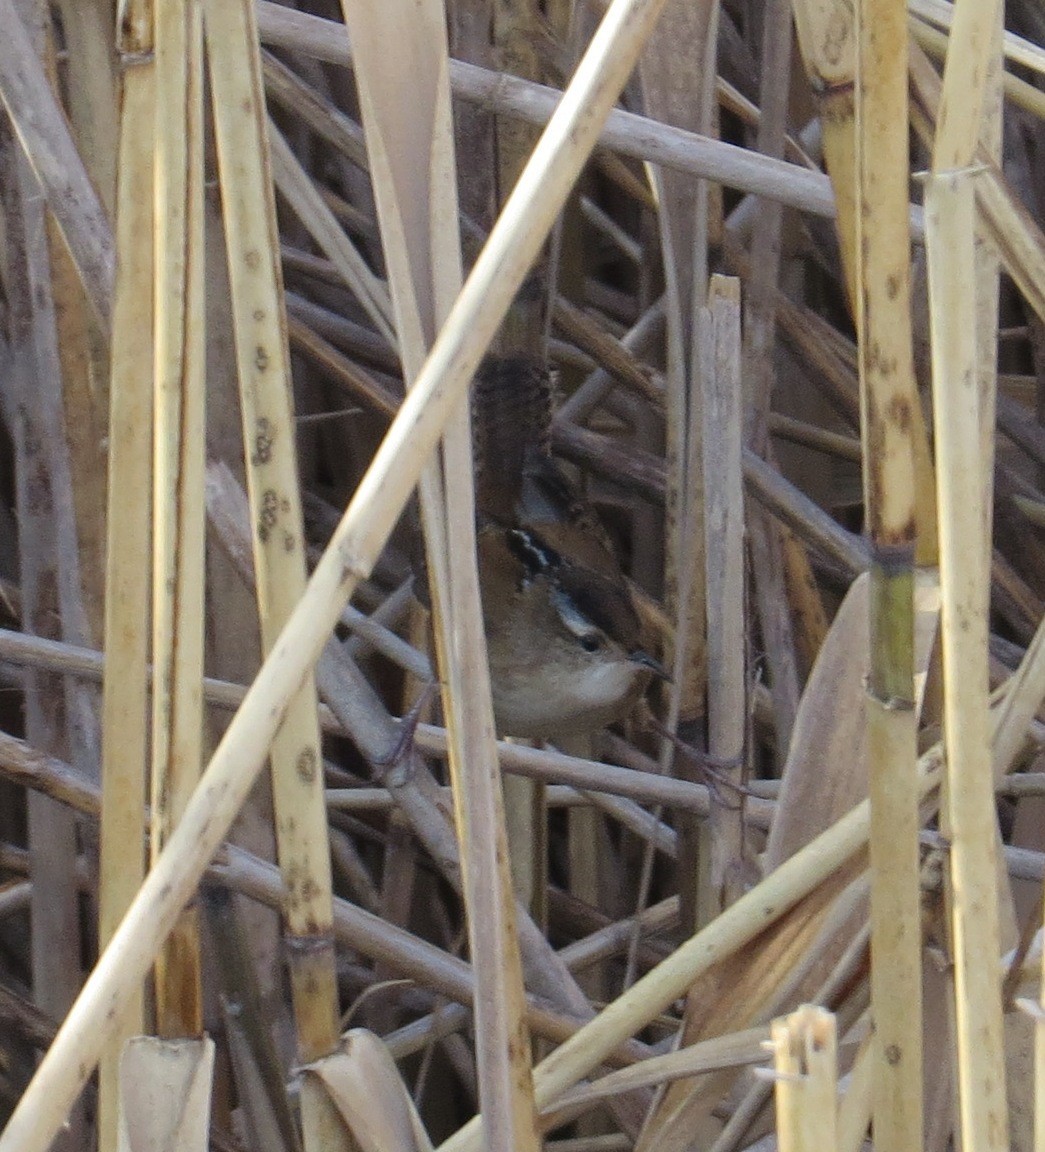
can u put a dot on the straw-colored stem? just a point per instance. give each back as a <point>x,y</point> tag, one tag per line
<point>829,40</point>
<point>965,84</point>
<point>888,399</point>
<point>856,1106</point>
<point>278,535</point>
<point>278,538</point>
<point>125,704</point>
<point>805,1059</point>
<point>178,599</point>
<point>1017,90</point>
<point>950,222</point>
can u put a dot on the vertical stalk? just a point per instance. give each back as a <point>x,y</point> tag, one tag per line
<point>828,39</point>
<point>724,554</point>
<point>125,701</point>
<point>888,398</point>
<point>950,223</point>
<point>959,409</point>
<point>263,362</point>
<point>177,711</point>
<point>805,1056</point>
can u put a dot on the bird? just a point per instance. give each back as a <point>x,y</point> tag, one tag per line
<point>564,637</point>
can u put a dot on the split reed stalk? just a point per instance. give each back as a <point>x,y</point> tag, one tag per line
<point>178,508</point>
<point>805,1058</point>
<point>959,411</point>
<point>889,399</point>
<point>379,500</point>
<point>969,803</point>
<point>125,699</point>
<point>278,539</point>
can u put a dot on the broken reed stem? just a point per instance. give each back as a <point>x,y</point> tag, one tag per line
<point>379,500</point>
<point>805,1059</point>
<point>889,398</point>
<point>969,801</point>
<point>178,505</point>
<point>278,538</point>
<point>125,699</point>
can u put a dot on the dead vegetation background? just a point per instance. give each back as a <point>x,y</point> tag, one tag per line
<point>794,301</point>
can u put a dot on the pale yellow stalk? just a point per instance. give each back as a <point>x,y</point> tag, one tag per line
<point>278,538</point>
<point>805,1059</point>
<point>125,696</point>
<point>950,223</point>
<point>888,401</point>
<point>178,510</point>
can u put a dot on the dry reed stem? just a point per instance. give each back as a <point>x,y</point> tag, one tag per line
<point>726,600</point>
<point>48,565</point>
<point>888,398</point>
<point>278,539</point>
<point>950,220</point>
<point>366,1087</point>
<point>965,83</point>
<point>827,37</point>
<point>385,943</point>
<point>1016,49</point>
<point>857,1103</point>
<point>381,495</point>
<point>178,507</point>
<point>1016,90</point>
<point>412,166</point>
<point>829,40</point>
<point>125,701</point>
<point>733,1050</point>
<point>805,1059</point>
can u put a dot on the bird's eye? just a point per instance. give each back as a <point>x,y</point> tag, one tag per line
<point>591,642</point>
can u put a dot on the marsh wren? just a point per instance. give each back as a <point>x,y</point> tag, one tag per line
<point>562,631</point>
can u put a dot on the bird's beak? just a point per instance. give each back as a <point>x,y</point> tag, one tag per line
<point>646,661</point>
